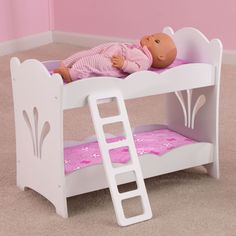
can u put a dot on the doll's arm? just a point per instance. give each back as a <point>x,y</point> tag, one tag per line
<point>134,66</point>
<point>128,66</point>
<point>131,67</point>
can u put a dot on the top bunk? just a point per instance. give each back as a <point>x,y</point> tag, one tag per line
<point>201,68</point>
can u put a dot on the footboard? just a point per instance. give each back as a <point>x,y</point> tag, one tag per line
<point>39,130</point>
<point>195,112</point>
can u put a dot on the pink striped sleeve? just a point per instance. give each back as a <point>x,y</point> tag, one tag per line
<point>131,66</point>
<point>68,62</point>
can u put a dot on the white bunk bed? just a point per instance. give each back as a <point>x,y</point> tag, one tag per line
<point>40,98</point>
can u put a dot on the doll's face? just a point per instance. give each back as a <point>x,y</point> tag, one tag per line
<point>162,48</point>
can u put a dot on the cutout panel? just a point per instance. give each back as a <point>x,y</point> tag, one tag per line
<point>28,123</point>
<point>132,207</point>
<point>189,108</point>
<point>129,186</point>
<point>108,107</point>
<point>44,132</point>
<point>120,157</point>
<point>114,128</point>
<point>36,121</point>
<point>37,136</point>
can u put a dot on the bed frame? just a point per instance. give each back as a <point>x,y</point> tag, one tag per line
<point>192,92</point>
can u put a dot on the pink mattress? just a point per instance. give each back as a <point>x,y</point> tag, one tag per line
<point>155,142</point>
<point>177,62</point>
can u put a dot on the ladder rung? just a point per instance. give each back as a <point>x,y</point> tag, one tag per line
<point>130,194</point>
<point>111,119</point>
<point>118,144</point>
<point>123,169</point>
<point>133,166</point>
<point>136,219</point>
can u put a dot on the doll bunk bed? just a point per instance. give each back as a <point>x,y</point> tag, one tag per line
<point>192,104</point>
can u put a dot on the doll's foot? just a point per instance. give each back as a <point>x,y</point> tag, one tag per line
<point>64,72</point>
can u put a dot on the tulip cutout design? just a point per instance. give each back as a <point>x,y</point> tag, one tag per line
<point>37,141</point>
<point>190,115</point>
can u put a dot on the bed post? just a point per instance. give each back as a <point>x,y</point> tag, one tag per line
<point>216,59</point>
<point>195,113</point>
<point>39,131</point>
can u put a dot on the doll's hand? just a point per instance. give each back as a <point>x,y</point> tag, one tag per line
<point>118,61</point>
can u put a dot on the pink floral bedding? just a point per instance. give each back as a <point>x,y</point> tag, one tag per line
<point>156,142</point>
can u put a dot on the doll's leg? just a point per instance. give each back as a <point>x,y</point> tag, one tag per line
<point>64,72</point>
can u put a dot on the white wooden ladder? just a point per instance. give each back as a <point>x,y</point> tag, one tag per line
<point>132,166</point>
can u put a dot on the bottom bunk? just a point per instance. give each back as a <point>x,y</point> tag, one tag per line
<point>160,151</point>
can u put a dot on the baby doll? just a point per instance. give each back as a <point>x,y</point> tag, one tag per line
<point>119,59</point>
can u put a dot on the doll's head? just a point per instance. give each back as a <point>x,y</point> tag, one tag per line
<point>162,48</point>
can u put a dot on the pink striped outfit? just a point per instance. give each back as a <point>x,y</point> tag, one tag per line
<point>97,61</point>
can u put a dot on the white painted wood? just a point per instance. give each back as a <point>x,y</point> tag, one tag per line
<point>111,172</point>
<point>192,45</point>
<point>146,83</point>
<point>39,101</point>
<point>195,47</point>
<point>168,30</point>
<point>35,90</point>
